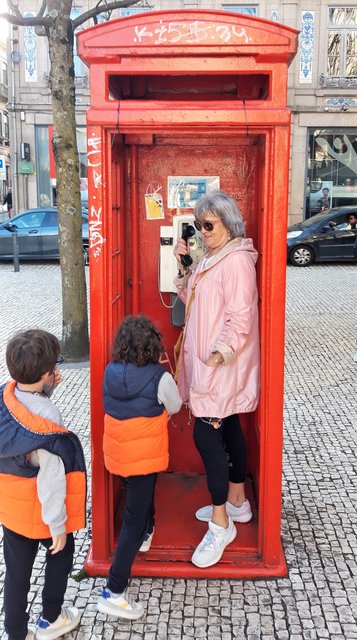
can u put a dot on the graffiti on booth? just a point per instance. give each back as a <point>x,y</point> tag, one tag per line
<point>95,221</point>
<point>196,32</point>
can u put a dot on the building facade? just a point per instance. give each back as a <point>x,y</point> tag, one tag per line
<point>322,96</point>
<point>5,178</point>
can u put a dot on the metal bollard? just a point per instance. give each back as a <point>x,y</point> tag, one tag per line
<point>16,250</point>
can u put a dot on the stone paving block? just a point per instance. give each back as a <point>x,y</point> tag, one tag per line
<point>318,598</point>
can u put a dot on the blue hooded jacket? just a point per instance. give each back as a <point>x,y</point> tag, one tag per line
<point>130,391</point>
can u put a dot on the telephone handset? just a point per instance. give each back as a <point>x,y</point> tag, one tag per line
<point>187,232</point>
<point>182,227</point>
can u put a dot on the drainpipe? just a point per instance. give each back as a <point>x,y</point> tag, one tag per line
<point>12,109</point>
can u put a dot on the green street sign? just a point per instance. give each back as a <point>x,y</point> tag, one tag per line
<point>25,166</point>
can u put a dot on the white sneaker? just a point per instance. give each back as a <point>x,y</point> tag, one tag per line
<point>210,550</point>
<point>146,544</point>
<point>68,620</point>
<point>238,514</point>
<point>120,605</point>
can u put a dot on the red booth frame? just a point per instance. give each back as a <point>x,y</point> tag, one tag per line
<point>146,44</point>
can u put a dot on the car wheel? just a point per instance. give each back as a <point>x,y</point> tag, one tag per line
<point>301,256</point>
<point>86,254</point>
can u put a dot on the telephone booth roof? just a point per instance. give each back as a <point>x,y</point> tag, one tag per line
<point>185,32</point>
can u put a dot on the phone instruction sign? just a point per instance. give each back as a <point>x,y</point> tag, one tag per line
<point>184,191</point>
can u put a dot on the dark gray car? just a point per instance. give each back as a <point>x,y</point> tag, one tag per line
<point>325,237</point>
<point>37,234</point>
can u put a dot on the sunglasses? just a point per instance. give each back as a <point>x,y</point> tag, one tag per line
<point>60,360</point>
<point>207,226</point>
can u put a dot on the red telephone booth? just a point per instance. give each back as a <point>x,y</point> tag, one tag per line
<point>191,98</point>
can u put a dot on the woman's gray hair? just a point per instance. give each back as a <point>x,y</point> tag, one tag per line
<point>221,205</point>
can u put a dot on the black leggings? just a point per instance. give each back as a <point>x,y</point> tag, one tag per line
<point>139,519</point>
<point>19,555</point>
<point>223,453</point>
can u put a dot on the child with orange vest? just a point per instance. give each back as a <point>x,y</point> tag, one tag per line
<point>139,394</point>
<point>42,486</point>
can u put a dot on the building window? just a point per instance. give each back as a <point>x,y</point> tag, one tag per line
<point>248,9</point>
<point>46,173</point>
<point>4,73</point>
<point>44,195</point>
<point>6,126</point>
<point>342,42</point>
<point>332,165</point>
<point>132,12</point>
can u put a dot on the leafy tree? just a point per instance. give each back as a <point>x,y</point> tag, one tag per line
<point>54,19</point>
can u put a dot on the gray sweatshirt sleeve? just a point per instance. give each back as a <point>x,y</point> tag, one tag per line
<point>51,478</point>
<point>168,395</point>
<point>51,489</point>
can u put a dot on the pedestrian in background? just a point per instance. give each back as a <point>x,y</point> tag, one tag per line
<point>8,201</point>
<point>42,486</point>
<point>139,395</point>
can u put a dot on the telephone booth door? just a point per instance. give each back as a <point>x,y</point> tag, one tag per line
<point>168,121</point>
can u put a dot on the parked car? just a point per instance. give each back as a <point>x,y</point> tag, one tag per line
<point>37,234</point>
<point>325,237</point>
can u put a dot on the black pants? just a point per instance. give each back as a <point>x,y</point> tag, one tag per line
<point>138,520</point>
<point>223,453</point>
<point>19,555</point>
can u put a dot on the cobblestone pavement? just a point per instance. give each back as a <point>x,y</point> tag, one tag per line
<point>318,599</point>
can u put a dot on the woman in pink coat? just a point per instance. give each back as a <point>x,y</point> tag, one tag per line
<point>219,363</point>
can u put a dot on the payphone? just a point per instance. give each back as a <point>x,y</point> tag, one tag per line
<point>182,227</point>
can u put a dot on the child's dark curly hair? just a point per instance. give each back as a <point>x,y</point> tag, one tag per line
<point>137,341</point>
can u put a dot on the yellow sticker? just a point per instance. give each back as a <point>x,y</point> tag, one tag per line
<point>154,206</point>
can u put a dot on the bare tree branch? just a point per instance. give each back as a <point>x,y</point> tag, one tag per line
<point>110,6</point>
<point>26,21</point>
<point>42,9</point>
<point>14,8</point>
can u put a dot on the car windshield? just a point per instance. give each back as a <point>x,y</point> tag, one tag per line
<point>325,215</point>
<point>320,217</point>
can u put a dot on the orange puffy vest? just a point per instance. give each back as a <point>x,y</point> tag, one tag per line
<point>136,446</point>
<point>20,508</point>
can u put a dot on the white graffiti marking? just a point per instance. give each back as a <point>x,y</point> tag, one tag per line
<point>190,33</point>
<point>141,33</point>
<point>97,179</point>
<point>95,221</point>
<point>96,239</point>
<point>94,145</point>
<point>241,34</point>
<point>94,142</point>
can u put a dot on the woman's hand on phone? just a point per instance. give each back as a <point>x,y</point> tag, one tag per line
<point>181,249</point>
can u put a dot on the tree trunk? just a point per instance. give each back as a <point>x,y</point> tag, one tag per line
<point>75,341</point>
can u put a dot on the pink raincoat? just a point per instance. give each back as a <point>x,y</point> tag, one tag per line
<point>224,312</point>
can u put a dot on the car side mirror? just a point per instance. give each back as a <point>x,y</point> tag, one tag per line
<point>9,226</point>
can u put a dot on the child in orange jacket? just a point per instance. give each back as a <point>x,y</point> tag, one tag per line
<point>42,486</point>
<point>139,394</point>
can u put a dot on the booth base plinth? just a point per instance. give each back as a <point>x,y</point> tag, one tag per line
<point>177,534</point>
<point>248,568</point>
